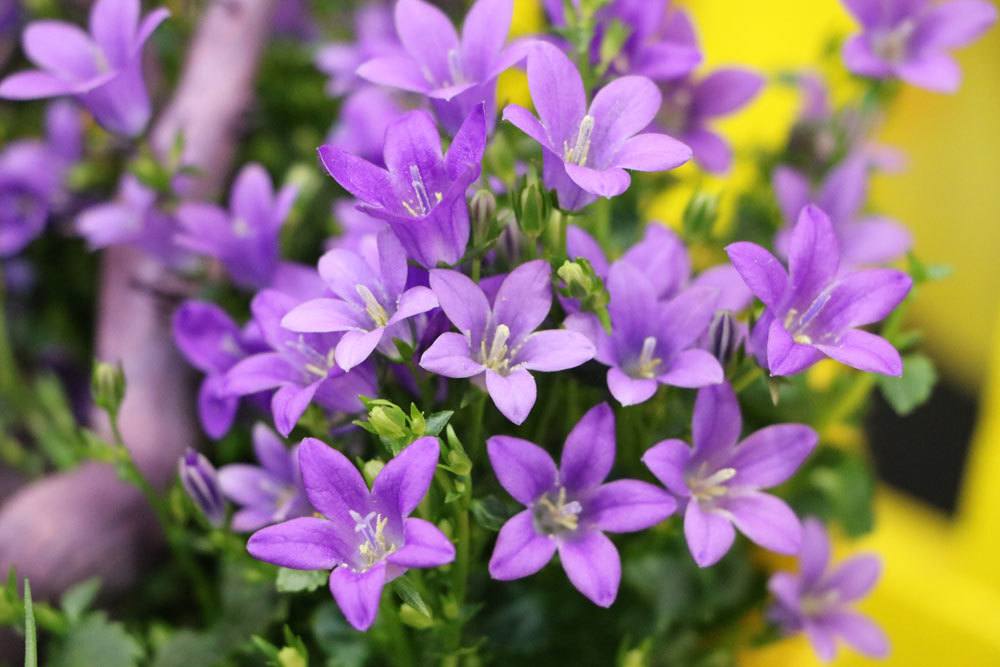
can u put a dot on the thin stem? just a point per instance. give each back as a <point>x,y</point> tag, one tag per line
<point>8,370</point>
<point>747,378</point>
<point>399,652</point>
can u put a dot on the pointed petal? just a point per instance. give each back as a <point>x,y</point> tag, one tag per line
<point>414,301</point>
<point>324,315</point>
<point>451,357</point>
<point>621,109</point>
<point>685,318</point>
<point>710,150</point>
<point>593,566</point>
<point>462,301</point>
<point>428,36</point>
<point>271,453</point>
<point>61,49</point>
<point>524,470</point>
<point>866,352</point>
<point>424,545</point>
<point>862,60</point>
<point>609,182</point>
<point>855,577</point>
<point>760,270</point>
<point>627,505</point>
<point>716,424</point>
<point>355,347</point>
<point>771,455</point>
<point>31,85</point>
<point>822,640</point>
<point>260,372</point>
<point>289,403</point>
<point>554,350</point>
<point>525,121</point>
<point>405,479</point>
<point>334,486</point>
<point>784,355</point>
<point>114,23</point>
<point>861,633</point>
<point>692,369</point>
<point>483,35</point>
<point>814,556</point>
<point>628,390</point>
<point>467,148</point>
<point>862,298</point>
<point>709,535</point>
<point>520,551</point>
<point>359,177</point>
<point>874,240</point>
<point>934,71</point>
<point>955,23</point>
<point>557,92</point>
<point>306,543</point>
<point>524,298</point>
<point>652,152</point>
<point>589,452</point>
<point>513,394</point>
<point>395,72</point>
<point>792,191</point>
<point>766,520</point>
<point>358,594</point>
<point>813,256</point>
<point>725,91</point>
<point>668,461</point>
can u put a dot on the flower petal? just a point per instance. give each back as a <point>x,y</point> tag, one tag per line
<point>554,350</point>
<point>462,301</point>
<point>395,72</point>
<point>813,256</point>
<point>784,355</point>
<point>766,520</point>
<point>405,479</point>
<point>726,90</point>
<point>424,545</point>
<point>524,470</point>
<point>525,121</point>
<point>955,23</point>
<point>557,92</point>
<point>359,177</point>
<point>466,149</point>
<point>609,182</point>
<point>593,566</point>
<point>513,394</point>
<point>862,298</point>
<point>524,298</point>
<point>792,191</point>
<point>855,577</point>
<point>627,505</point>
<point>716,423</point>
<point>414,301</point>
<point>860,632</point>
<point>61,49</point>
<point>334,486</point>
<point>271,453</point>
<point>814,556</point>
<point>668,461</point>
<point>866,352</point>
<point>484,32</point>
<point>709,535</point>
<point>771,455</point>
<point>710,150</point>
<point>31,85</point>
<point>589,452</point>
<point>934,71</point>
<point>520,551</point>
<point>289,403</point>
<point>306,543</point>
<point>628,390</point>
<point>428,36</point>
<point>356,346</point>
<point>260,372</point>
<point>760,270</point>
<point>620,110</point>
<point>324,315</point>
<point>358,593</point>
<point>652,152</point>
<point>451,357</point>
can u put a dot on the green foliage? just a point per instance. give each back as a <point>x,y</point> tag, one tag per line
<point>298,581</point>
<point>30,632</point>
<point>96,641</point>
<point>907,393</point>
<point>395,428</point>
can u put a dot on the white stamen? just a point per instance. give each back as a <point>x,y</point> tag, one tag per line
<point>711,487</point>
<point>422,205</point>
<point>455,67</point>
<point>578,153</point>
<point>553,514</point>
<point>646,366</point>
<point>497,356</point>
<point>375,311</point>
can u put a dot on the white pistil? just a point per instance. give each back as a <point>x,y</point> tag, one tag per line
<point>893,45</point>
<point>578,153</point>
<point>646,366</point>
<point>375,311</point>
<point>372,529</point>
<point>496,358</point>
<point>711,487</point>
<point>422,205</point>
<point>455,67</point>
<point>240,228</point>
<point>555,515</point>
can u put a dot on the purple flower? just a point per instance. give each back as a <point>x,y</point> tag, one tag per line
<point>368,537</point>
<point>103,70</point>
<point>244,238</point>
<point>814,311</point>
<point>300,367</point>
<point>269,493</point>
<point>371,304</point>
<point>662,43</point>
<point>586,151</point>
<point>721,478</point>
<point>10,16</point>
<point>817,600</point>
<point>457,74</point>
<point>498,341</point>
<point>570,508</point>
<point>364,118</point>
<point>690,105</point>
<point>864,239</point>
<point>201,482</point>
<point>376,37</point>
<point>910,39</point>
<point>420,193</point>
<point>356,227</point>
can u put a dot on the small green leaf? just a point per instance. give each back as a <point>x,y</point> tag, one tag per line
<point>489,512</point>
<point>437,421</point>
<point>30,632</point>
<point>78,599</point>
<point>297,581</point>
<point>905,394</point>
<point>409,594</point>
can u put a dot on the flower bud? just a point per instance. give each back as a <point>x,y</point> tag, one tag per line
<point>700,215</point>
<point>201,482</point>
<point>107,386</point>
<point>532,217</point>
<point>724,336</point>
<point>388,421</point>
<point>483,210</point>
<point>577,279</point>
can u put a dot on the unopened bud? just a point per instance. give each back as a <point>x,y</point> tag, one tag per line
<point>371,469</point>
<point>577,279</point>
<point>483,210</point>
<point>107,386</point>
<point>700,215</point>
<point>201,482</point>
<point>724,336</point>
<point>388,421</point>
<point>532,217</point>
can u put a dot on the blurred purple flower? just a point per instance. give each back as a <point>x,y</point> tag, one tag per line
<point>586,151</point>
<point>662,43</point>
<point>814,311</point>
<point>721,478</point>
<point>10,16</point>
<point>368,538</point>
<point>363,120</point>
<point>269,493</point>
<point>356,226</point>
<point>817,600</point>
<point>103,69</point>
<point>498,340</point>
<point>570,508</point>
<point>201,482</point>
<point>420,193</point>
<point>910,39</point>
<point>376,37</point>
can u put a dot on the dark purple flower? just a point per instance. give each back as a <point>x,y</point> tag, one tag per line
<point>371,305</point>
<point>363,120</point>
<point>420,193</point>
<point>690,105</point>
<point>570,508</point>
<point>10,16</point>
<point>244,238</point>
<point>269,493</point>
<point>376,37</point>
<point>818,599</point>
<point>910,39</point>
<point>368,538</point>
<point>498,341</point>
<point>103,69</point>
<point>721,478</point>
<point>201,482</point>
<point>457,74</point>
<point>813,310</point>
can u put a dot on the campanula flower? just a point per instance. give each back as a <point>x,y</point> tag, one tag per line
<point>569,508</point>
<point>363,120</point>
<point>721,479</point>
<point>817,600</point>
<point>356,226</point>
<point>371,305</point>
<point>497,340</point>
<point>103,69</point>
<point>662,43</point>
<point>267,493</point>
<point>376,37</point>
<point>585,150</point>
<point>910,39</point>
<point>812,309</point>
<point>367,538</point>
<point>201,482</point>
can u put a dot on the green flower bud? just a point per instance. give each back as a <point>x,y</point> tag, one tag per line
<point>532,217</point>
<point>388,421</point>
<point>483,210</point>
<point>107,386</point>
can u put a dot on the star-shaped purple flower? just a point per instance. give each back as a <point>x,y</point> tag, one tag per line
<point>587,150</point>
<point>367,538</point>
<point>371,303</point>
<point>420,193</point>
<point>818,599</point>
<point>662,43</point>
<point>721,479</point>
<point>269,493</point>
<point>570,508</point>
<point>814,311</point>
<point>102,69</point>
<point>498,341</point>
<point>910,39</point>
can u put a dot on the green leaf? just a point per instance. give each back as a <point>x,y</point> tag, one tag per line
<point>340,643</point>
<point>409,594</point>
<point>298,581</point>
<point>437,421</point>
<point>490,513</point>
<point>78,599</point>
<point>97,641</point>
<point>30,633</point>
<point>186,648</point>
<point>905,394</point>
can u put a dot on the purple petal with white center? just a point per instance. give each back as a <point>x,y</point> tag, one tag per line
<point>520,551</point>
<point>589,452</point>
<point>593,566</point>
<point>513,394</point>
<point>858,631</point>
<point>668,461</point>
<point>865,351</point>
<point>709,535</point>
<point>554,350</point>
<point>524,470</point>
<point>628,390</point>
<point>334,486</point>
<point>404,480</point>
<point>652,152</point>
<point>358,593</point>
<point>424,545</point>
<point>524,298</point>
<point>627,505</point>
<point>305,543</point>
<point>692,369</point>
<point>771,455</point>
<point>784,355</point>
<point>760,270</point>
<point>766,520</point>
<point>451,357</point>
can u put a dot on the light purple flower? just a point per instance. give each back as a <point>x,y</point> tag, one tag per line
<point>570,508</point>
<point>721,479</point>
<point>103,69</point>
<point>458,74</point>
<point>201,482</point>
<point>818,599</point>
<point>300,367</point>
<point>864,239</point>
<point>586,151</point>
<point>269,493</point>
<point>813,310</point>
<point>368,537</point>
<point>497,341</point>
<point>371,305</point>
<point>420,193</point>
<point>244,238</point>
<point>363,120</point>
<point>356,226</point>
<point>910,39</point>
<point>690,105</point>
<point>662,43</point>
<point>376,37</point>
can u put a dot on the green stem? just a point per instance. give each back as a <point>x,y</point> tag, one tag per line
<point>8,370</point>
<point>398,649</point>
<point>747,378</point>
<point>476,428</point>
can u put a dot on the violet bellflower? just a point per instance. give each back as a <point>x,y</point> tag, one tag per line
<point>497,341</point>
<point>268,493</point>
<point>420,193</point>
<point>356,226</point>
<point>366,538</point>
<point>299,368</point>
<point>458,74</point>
<point>813,310</point>
<point>569,508</point>
<point>585,150</point>
<point>371,304</point>
<point>817,600</point>
<point>375,37</point>
<point>363,120</point>
<point>910,39</point>
<point>103,69</point>
<point>201,482</point>
<point>719,482</point>
<point>662,43</point>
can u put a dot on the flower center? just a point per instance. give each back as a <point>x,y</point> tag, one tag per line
<point>892,45</point>
<point>798,326</point>
<point>675,111</point>
<point>578,152</point>
<point>312,361</point>
<point>374,547</point>
<point>552,514</point>
<point>455,67</point>
<point>708,488</point>
<point>497,356</point>
<point>375,311</point>
<point>646,365</point>
<point>421,205</point>
<point>816,604</point>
